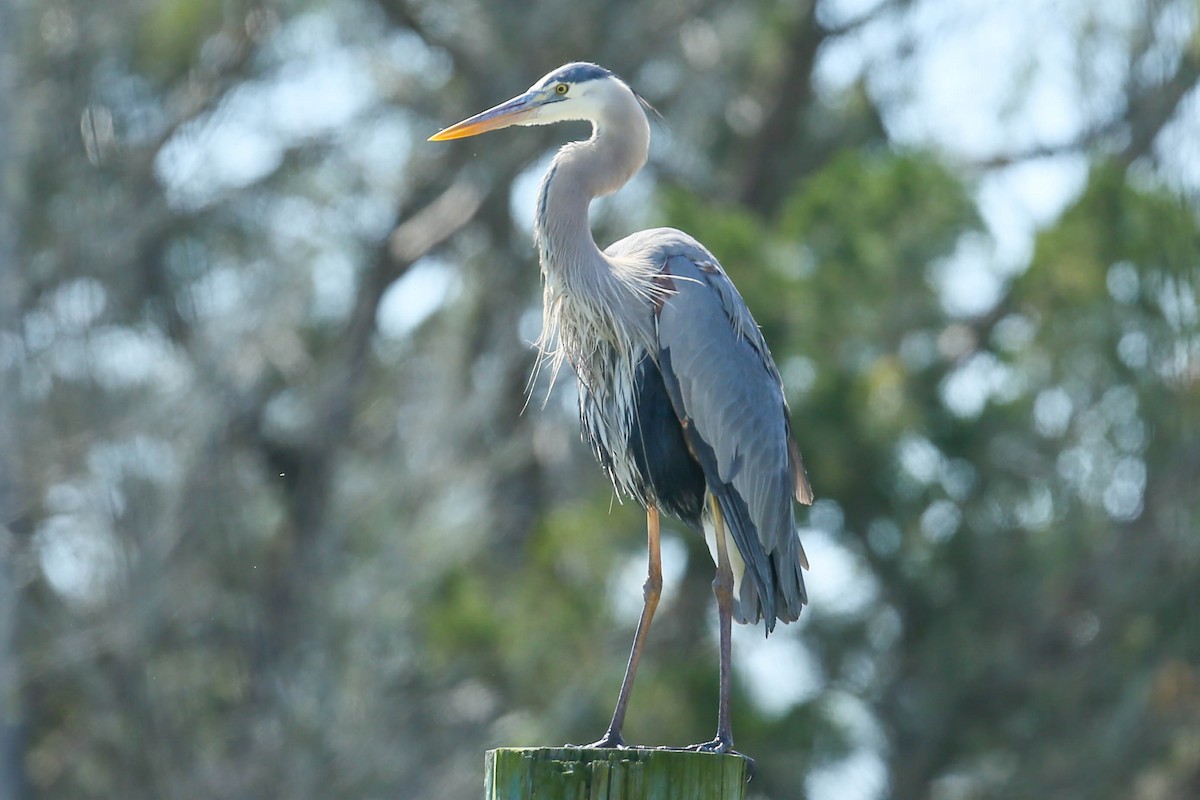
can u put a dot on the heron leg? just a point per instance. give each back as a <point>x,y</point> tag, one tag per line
<point>651,592</point>
<point>723,589</point>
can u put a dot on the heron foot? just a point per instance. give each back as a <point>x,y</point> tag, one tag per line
<point>718,745</point>
<point>610,740</point>
<point>724,747</point>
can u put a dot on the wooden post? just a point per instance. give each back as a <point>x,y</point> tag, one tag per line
<point>585,773</point>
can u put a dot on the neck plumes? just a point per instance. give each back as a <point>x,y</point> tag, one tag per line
<point>589,297</point>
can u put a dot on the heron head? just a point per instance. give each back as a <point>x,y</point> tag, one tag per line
<point>578,91</point>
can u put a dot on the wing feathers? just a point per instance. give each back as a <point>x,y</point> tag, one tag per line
<point>728,395</point>
<point>804,493</point>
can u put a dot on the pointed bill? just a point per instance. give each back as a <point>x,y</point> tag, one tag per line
<point>511,112</point>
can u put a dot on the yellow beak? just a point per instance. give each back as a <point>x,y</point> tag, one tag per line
<point>510,112</point>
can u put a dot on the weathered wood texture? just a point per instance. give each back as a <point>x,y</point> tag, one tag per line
<point>584,773</point>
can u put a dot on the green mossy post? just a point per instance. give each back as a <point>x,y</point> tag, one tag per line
<point>586,773</point>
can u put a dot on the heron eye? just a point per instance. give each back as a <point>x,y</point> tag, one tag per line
<point>561,88</point>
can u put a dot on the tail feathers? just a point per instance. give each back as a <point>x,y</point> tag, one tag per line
<point>787,585</point>
<point>790,594</point>
<point>779,572</point>
<point>786,582</point>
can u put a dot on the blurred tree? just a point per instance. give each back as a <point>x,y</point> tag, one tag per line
<point>12,744</point>
<point>281,523</point>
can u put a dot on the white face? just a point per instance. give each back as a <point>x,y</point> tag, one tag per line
<point>560,101</point>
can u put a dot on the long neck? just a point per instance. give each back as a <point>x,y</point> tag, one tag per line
<point>580,172</point>
<point>590,297</point>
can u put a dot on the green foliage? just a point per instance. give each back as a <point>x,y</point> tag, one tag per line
<point>172,33</point>
<point>1113,222</point>
<point>882,214</point>
<point>540,616</point>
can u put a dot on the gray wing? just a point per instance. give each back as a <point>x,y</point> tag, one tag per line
<point>728,394</point>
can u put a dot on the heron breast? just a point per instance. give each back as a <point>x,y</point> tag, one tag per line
<point>638,438</point>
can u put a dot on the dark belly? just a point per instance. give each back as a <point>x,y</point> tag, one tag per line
<point>652,463</point>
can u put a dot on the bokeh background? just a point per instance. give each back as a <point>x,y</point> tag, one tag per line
<point>280,516</point>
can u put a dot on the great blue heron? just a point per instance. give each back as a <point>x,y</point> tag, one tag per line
<point>678,395</point>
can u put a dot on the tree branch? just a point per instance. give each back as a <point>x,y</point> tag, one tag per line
<point>1150,111</point>
<point>761,187</point>
<point>1147,112</point>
